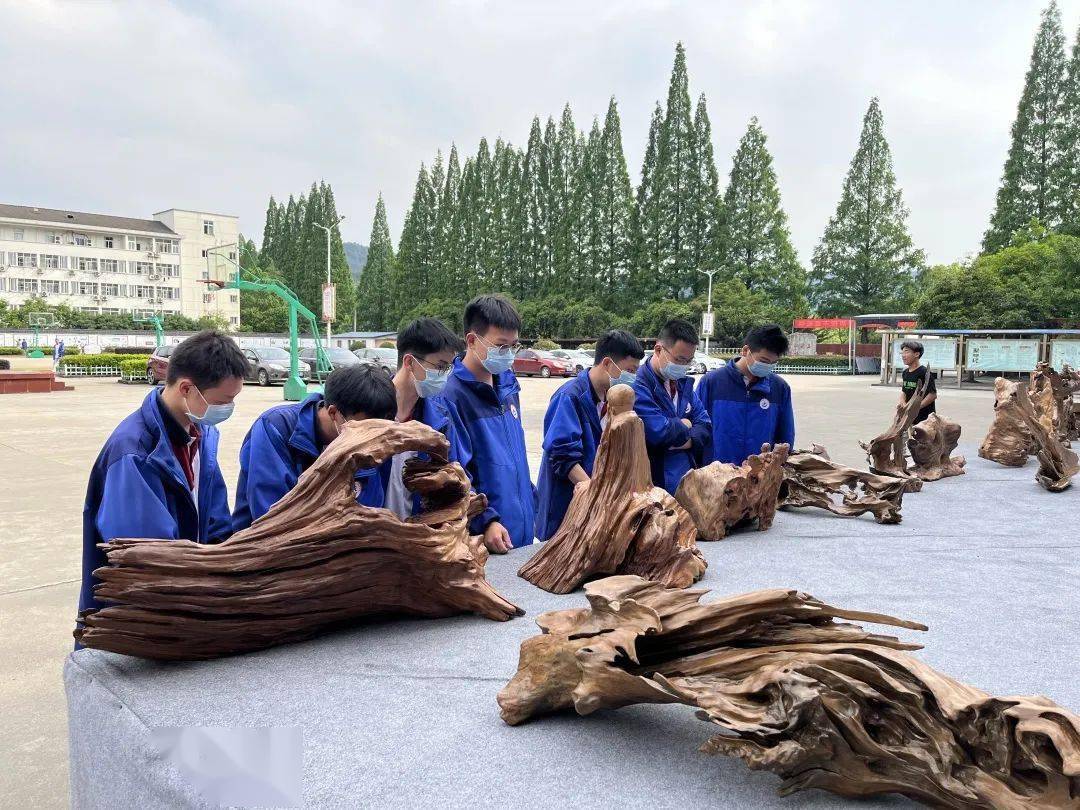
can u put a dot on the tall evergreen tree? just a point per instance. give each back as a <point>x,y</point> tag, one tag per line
<point>706,214</point>
<point>1030,182</point>
<point>507,208</point>
<point>756,243</point>
<point>646,223</point>
<point>866,260</point>
<point>677,170</point>
<point>565,158</point>
<point>585,215</point>
<point>415,266</point>
<point>373,293</point>
<point>270,226</point>
<point>615,205</point>
<point>1069,146</point>
<point>448,247</point>
<point>536,197</point>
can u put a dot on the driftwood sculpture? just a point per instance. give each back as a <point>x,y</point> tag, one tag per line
<point>315,560</point>
<point>823,704</point>
<point>618,522</point>
<point>1008,442</point>
<point>721,495</point>
<point>885,453</point>
<point>931,444</point>
<point>811,478</point>
<point>1052,397</point>
<point>1057,463</point>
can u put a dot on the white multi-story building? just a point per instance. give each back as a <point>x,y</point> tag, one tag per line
<point>105,264</point>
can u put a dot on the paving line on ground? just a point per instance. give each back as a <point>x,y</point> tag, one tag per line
<point>39,587</point>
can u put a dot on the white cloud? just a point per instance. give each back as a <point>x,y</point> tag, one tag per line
<point>129,108</point>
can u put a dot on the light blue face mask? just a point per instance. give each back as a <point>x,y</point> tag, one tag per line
<point>624,378</point>
<point>214,414</point>
<point>674,371</point>
<point>432,384</point>
<point>761,369</point>
<point>498,360</point>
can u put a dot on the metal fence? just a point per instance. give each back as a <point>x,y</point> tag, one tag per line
<point>66,370</point>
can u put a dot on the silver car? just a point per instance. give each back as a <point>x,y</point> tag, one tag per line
<point>578,359</point>
<point>385,358</point>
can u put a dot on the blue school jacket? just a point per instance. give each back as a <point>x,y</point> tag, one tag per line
<point>277,449</point>
<point>489,442</point>
<point>664,428</point>
<point>431,411</point>
<point>571,436</point>
<point>745,418</point>
<point>138,489</point>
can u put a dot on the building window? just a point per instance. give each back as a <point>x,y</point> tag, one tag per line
<point>110,289</point>
<point>204,253</point>
<point>110,311</point>
<point>232,255</point>
<point>51,286</point>
<point>108,241</point>
<point>26,285</point>
<point>83,263</point>
<point>166,246</point>
<point>233,299</point>
<point>235,321</point>
<point>206,274</point>
<point>110,265</point>
<point>26,260</point>
<point>208,227</point>
<point>88,309</point>
<point>143,292</point>
<point>55,238</point>
<point>82,240</point>
<point>51,262</point>
<point>144,268</point>
<point>88,288</point>
<point>131,243</point>
<point>18,234</point>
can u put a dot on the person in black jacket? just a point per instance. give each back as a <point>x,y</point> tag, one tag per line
<point>911,352</point>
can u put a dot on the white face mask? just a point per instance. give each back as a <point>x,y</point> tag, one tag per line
<point>213,415</point>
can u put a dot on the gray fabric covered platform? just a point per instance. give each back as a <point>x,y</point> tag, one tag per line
<point>402,713</point>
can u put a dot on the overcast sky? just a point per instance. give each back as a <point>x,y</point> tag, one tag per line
<point>128,108</point>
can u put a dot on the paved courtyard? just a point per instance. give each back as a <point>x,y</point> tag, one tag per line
<point>49,441</point>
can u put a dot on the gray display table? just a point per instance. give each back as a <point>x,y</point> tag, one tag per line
<point>402,713</point>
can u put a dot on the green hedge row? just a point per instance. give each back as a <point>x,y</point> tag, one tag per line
<point>133,365</point>
<point>126,350</point>
<point>104,359</point>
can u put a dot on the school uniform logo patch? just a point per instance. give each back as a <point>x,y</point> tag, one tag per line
<point>763,404</point>
<point>513,410</point>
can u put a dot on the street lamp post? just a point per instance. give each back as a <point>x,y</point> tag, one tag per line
<point>707,326</point>
<point>326,316</point>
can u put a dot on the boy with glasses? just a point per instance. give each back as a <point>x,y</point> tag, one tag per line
<point>426,352</point>
<point>749,404</point>
<point>487,438</point>
<point>676,426</point>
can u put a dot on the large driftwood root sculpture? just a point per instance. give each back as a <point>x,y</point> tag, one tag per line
<point>317,559</point>
<point>811,478</point>
<point>618,522</point>
<point>1057,463</point>
<point>931,444</point>
<point>1052,398</point>
<point>1008,442</point>
<point>721,495</point>
<point>885,453</point>
<point>824,704</point>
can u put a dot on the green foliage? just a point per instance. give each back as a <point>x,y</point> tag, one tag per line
<point>102,359</point>
<point>1034,184</point>
<point>261,311</point>
<point>448,310</point>
<point>387,344</point>
<point>374,288</point>
<point>866,261</point>
<point>69,318</point>
<point>545,344</point>
<point>1035,285</point>
<point>133,366</point>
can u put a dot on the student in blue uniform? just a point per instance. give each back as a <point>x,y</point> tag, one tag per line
<point>287,439</point>
<point>481,398</point>
<point>157,475</point>
<point>426,351</point>
<point>749,404</point>
<point>573,425</point>
<point>676,426</point>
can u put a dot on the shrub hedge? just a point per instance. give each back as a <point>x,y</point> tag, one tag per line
<point>104,359</point>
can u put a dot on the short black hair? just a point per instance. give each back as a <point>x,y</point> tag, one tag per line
<point>677,329</point>
<point>361,389</point>
<point>769,337</point>
<point>914,345</point>
<point>486,311</point>
<point>426,336</point>
<point>206,358</point>
<point>618,344</point>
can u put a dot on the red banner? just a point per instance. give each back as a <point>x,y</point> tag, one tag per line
<point>823,323</point>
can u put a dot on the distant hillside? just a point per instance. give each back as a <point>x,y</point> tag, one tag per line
<point>356,255</point>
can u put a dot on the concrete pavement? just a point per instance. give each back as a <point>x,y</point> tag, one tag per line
<point>48,443</point>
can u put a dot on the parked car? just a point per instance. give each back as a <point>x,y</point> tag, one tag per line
<point>531,361</point>
<point>339,358</point>
<point>578,359</point>
<point>384,358</point>
<point>705,362</point>
<point>270,364</point>
<point>157,365</point>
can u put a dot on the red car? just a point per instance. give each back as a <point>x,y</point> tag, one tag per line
<point>157,366</point>
<point>531,361</point>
